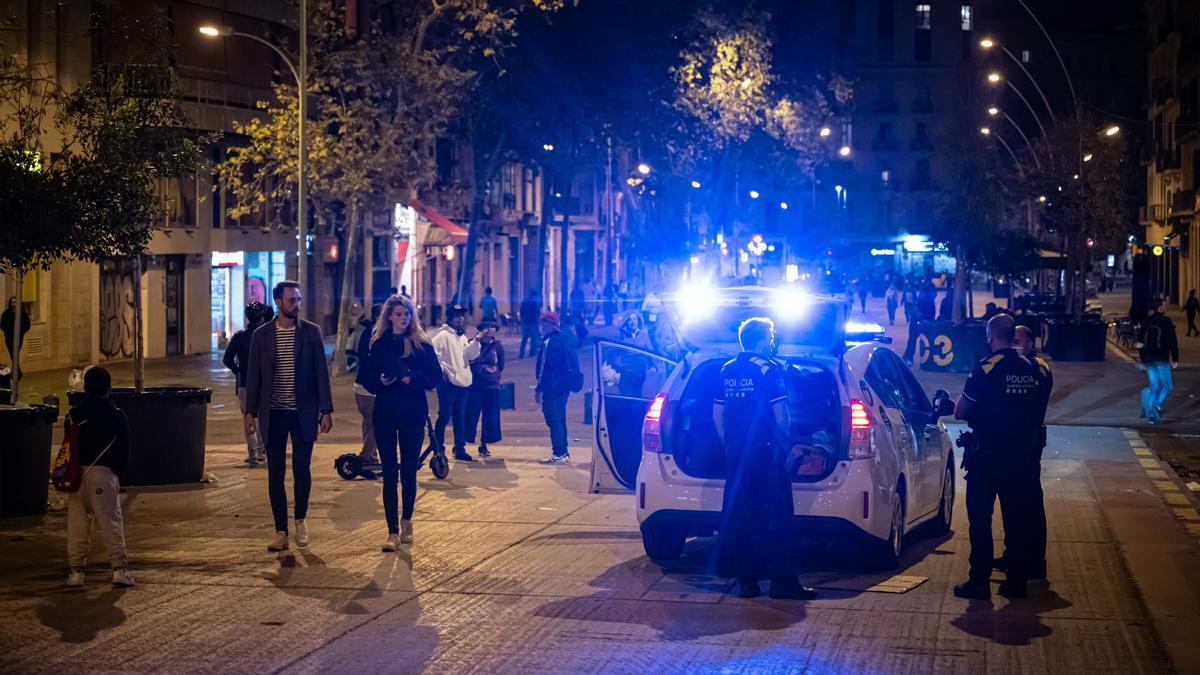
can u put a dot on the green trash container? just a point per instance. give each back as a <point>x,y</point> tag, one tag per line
<point>25,459</point>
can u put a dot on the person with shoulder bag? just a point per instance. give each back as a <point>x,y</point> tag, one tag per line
<point>483,400</point>
<point>102,435</point>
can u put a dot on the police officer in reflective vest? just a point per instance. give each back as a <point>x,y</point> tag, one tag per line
<point>1001,404</point>
<point>751,419</point>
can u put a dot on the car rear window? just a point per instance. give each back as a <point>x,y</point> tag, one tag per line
<point>817,325</point>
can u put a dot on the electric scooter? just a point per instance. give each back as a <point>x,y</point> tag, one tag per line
<point>350,466</point>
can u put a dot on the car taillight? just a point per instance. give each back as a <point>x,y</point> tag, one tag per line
<point>651,439</point>
<point>860,432</point>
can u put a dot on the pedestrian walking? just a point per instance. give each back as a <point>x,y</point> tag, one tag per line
<point>402,365</point>
<point>863,287</point>
<point>893,298</point>
<point>364,400</point>
<point>488,306</point>
<point>483,401</point>
<point>103,443</point>
<point>576,311</point>
<point>1034,521</point>
<point>558,375</point>
<point>652,305</point>
<point>1000,402</point>
<point>751,420</point>
<point>1190,308</point>
<point>610,303</point>
<point>8,326</point>
<point>454,352</point>
<point>530,315</point>
<point>288,394</point>
<point>237,359</point>
<point>1158,347</point>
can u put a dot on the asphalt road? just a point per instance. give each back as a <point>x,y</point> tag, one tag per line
<point>516,568</point>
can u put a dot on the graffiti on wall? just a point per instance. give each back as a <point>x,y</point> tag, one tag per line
<point>116,309</point>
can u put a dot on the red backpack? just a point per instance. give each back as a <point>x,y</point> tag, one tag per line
<point>67,472</point>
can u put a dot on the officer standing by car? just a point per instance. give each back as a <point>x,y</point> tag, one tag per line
<point>751,418</point>
<point>1000,402</point>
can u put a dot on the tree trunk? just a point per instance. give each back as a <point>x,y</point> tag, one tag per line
<point>14,377</point>
<point>960,285</point>
<point>564,290</point>
<point>139,345</point>
<point>544,234</point>
<point>349,270</point>
<point>466,274</point>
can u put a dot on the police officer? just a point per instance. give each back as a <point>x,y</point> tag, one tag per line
<point>751,419</point>
<point>1036,518</point>
<point>1001,404</point>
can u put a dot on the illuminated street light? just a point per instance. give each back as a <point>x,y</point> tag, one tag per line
<point>643,169</point>
<point>985,131</point>
<point>216,31</point>
<point>993,111</point>
<point>844,151</point>
<point>696,184</point>
<point>1087,157</point>
<point>987,43</point>
<point>783,205</point>
<point>1112,131</point>
<point>825,132</point>
<point>548,147</point>
<point>754,194</point>
<point>994,77</point>
<point>1042,199</point>
<point>1075,177</point>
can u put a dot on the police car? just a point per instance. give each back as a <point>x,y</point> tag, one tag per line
<point>892,464</point>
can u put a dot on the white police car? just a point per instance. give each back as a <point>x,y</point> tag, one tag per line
<point>893,464</point>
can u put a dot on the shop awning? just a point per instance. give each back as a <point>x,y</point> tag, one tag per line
<point>436,218</point>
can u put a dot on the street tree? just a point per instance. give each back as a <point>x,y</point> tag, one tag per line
<point>378,99</point>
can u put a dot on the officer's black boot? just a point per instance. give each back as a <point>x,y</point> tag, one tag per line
<point>1013,588</point>
<point>748,588</point>
<point>791,589</point>
<point>973,590</point>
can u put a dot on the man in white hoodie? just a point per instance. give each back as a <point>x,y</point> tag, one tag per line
<point>454,352</point>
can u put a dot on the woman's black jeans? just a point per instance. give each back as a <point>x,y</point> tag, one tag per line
<point>408,433</point>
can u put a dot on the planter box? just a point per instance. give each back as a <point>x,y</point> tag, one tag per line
<point>167,431</point>
<point>945,347</point>
<point>25,459</point>
<point>1076,341</point>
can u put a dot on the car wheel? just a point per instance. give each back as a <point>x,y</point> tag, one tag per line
<point>941,525</point>
<point>886,553</point>
<point>663,542</point>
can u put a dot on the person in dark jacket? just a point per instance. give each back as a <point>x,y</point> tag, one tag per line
<point>402,366</point>
<point>1159,348</point>
<point>8,325</point>
<point>557,366</point>
<point>1191,307</point>
<point>103,453</point>
<point>483,399</point>
<point>530,313</point>
<point>363,398</point>
<point>237,359</point>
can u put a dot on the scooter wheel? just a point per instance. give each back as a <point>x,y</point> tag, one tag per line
<point>439,465</point>
<point>348,466</point>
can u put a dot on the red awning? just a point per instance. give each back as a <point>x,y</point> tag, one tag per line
<point>456,231</point>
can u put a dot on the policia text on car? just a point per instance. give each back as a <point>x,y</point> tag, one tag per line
<point>1004,402</point>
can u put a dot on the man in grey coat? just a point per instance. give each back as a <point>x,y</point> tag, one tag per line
<point>288,394</point>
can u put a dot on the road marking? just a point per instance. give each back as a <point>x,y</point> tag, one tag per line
<point>1166,486</point>
<point>1129,433</point>
<point>1187,513</point>
<point>1177,499</point>
<point>1143,452</point>
<point>1193,529</point>
<point>1157,474</point>
<point>1148,463</point>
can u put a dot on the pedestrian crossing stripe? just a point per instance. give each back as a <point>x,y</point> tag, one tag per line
<point>1188,514</point>
<point>1157,474</point>
<point>1143,452</point>
<point>1131,434</point>
<point>1177,499</point>
<point>1193,529</point>
<point>1148,463</point>
<point>1166,486</point>
<point>1137,444</point>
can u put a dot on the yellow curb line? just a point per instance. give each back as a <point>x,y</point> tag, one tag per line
<point>1143,452</point>
<point>1177,499</point>
<point>1187,514</point>
<point>1166,486</point>
<point>1157,474</point>
<point>1149,463</point>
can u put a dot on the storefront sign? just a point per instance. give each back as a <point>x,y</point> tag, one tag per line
<point>883,251</point>
<point>228,258</point>
<point>405,221</point>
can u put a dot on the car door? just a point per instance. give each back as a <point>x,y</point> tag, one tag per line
<point>927,438</point>
<point>626,380</point>
<point>904,439</point>
<point>883,400</point>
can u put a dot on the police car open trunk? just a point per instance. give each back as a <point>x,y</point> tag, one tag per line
<point>814,408</point>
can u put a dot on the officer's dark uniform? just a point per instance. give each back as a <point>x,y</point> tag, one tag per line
<point>1034,521</point>
<point>756,514</point>
<point>1006,421</point>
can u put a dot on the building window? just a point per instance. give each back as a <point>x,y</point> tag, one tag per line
<point>886,25</point>
<point>921,142</point>
<point>967,12</point>
<point>923,45</point>
<point>924,21</point>
<point>1025,56</point>
<point>922,173</point>
<point>848,10</point>
<point>847,135</point>
<point>885,177</point>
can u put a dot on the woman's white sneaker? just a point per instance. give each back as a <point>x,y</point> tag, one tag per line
<point>301,533</point>
<point>75,579</point>
<point>405,531</point>
<point>280,543</point>
<point>121,578</point>
<point>392,543</point>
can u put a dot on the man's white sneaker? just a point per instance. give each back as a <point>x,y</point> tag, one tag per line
<point>75,579</point>
<point>556,459</point>
<point>301,533</point>
<point>121,578</point>
<point>280,543</point>
<point>392,543</point>
<point>405,531</point>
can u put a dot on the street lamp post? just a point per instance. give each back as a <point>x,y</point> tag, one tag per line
<point>996,78</point>
<point>300,75</point>
<point>993,111</point>
<point>988,43</point>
